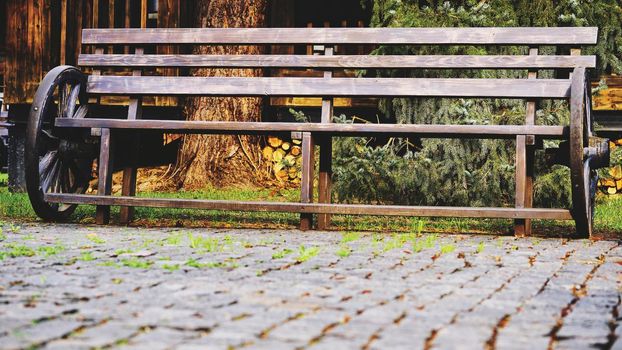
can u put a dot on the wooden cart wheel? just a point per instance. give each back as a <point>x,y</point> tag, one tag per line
<point>57,161</point>
<point>587,154</point>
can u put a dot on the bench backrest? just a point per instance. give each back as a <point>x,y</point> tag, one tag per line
<point>261,86</point>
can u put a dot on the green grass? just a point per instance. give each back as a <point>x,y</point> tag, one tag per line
<point>207,244</point>
<point>136,263</point>
<point>608,214</point>
<point>16,251</point>
<point>347,237</point>
<point>344,251</point>
<point>170,267</point>
<point>95,238</point>
<point>4,179</point>
<point>282,253</point>
<point>17,207</point>
<point>447,248</point>
<point>51,250</point>
<point>305,254</point>
<point>86,256</point>
<point>480,247</point>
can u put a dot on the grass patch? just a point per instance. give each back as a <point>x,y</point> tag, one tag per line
<point>95,238</point>
<point>207,244</point>
<point>136,263</point>
<point>51,250</point>
<point>305,254</point>
<point>447,248</point>
<point>344,251</point>
<point>281,254</point>
<point>16,251</point>
<point>86,256</point>
<point>348,237</point>
<point>171,267</point>
<point>608,215</point>
<point>480,247</point>
<point>16,206</point>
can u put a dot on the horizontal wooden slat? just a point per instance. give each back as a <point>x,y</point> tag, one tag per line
<point>319,208</point>
<point>234,86</point>
<point>418,36</point>
<point>428,130</point>
<point>317,61</point>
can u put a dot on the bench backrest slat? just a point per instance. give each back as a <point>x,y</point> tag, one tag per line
<point>368,87</point>
<point>353,62</point>
<point>340,36</point>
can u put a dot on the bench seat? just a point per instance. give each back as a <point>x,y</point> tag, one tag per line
<point>133,64</point>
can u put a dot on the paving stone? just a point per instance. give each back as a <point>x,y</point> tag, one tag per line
<point>39,333</point>
<point>392,300</point>
<point>106,334</point>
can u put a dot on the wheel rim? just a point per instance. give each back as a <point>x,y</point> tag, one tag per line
<point>56,161</point>
<point>587,153</point>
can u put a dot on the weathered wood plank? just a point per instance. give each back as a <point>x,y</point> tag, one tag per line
<point>354,36</point>
<point>306,182</point>
<point>234,86</point>
<point>134,111</point>
<point>326,152</point>
<point>427,130</point>
<point>342,61</point>
<point>525,154</point>
<point>104,168</point>
<point>344,209</point>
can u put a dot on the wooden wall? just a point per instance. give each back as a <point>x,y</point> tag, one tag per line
<point>41,34</point>
<point>3,7</point>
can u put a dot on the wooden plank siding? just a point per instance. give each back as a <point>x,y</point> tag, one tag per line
<point>42,34</point>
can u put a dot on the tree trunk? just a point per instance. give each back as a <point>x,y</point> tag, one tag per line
<point>223,159</point>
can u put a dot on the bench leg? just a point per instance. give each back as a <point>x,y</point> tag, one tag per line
<point>126,214</point>
<point>306,190</point>
<point>325,180</point>
<point>105,166</point>
<point>524,183</point>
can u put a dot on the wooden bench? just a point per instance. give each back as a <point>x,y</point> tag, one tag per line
<point>63,139</point>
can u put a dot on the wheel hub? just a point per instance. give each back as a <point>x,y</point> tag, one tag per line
<point>597,152</point>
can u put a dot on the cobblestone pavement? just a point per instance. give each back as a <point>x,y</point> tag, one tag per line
<point>80,287</point>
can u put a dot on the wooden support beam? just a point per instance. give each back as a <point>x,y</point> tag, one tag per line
<point>368,129</point>
<point>306,183</point>
<point>105,168</point>
<point>310,208</point>
<point>525,157</point>
<point>129,173</point>
<point>326,153</point>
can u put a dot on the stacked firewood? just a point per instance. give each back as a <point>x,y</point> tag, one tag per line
<point>284,159</point>
<point>612,183</point>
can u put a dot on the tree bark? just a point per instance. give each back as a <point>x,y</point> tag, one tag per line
<point>223,159</point>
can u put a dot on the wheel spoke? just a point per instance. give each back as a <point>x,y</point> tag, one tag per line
<point>48,167</point>
<point>48,142</point>
<point>73,100</point>
<point>79,175</point>
<point>57,184</point>
<point>81,112</point>
<point>60,105</point>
